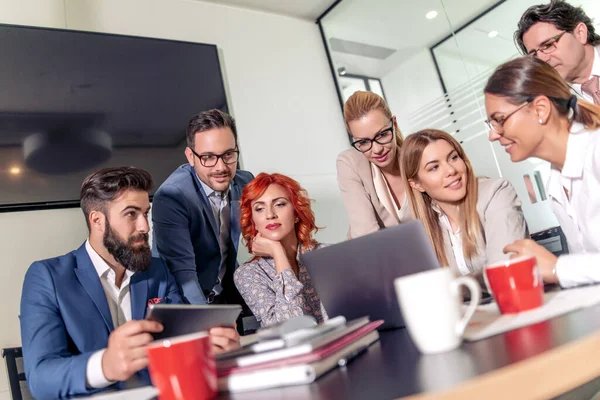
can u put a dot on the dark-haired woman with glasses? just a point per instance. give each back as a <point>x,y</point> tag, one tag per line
<point>532,113</point>
<point>369,174</point>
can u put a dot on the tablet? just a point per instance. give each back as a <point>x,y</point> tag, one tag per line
<point>182,319</point>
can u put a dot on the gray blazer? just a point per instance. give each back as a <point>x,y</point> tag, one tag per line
<point>355,180</point>
<point>502,220</point>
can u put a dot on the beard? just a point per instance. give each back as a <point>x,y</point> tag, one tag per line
<point>133,258</point>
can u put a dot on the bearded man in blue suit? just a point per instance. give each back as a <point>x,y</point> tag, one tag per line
<point>82,314</point>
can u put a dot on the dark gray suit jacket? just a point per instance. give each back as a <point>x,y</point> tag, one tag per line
<point>186,236</point>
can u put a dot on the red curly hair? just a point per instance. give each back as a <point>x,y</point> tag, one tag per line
<point>298,197</point>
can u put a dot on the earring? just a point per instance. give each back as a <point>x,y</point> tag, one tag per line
<point>296,221</point>
<point>540,121</point>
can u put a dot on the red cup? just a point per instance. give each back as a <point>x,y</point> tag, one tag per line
<point>516,284</point>
<point>183,367</point>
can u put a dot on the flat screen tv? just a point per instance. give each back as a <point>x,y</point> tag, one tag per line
<point>72,102</point>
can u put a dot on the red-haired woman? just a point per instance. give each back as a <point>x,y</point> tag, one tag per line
<point>277,224</point>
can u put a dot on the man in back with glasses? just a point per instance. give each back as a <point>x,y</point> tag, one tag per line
<point>195,212</point>
<point>563,36</point>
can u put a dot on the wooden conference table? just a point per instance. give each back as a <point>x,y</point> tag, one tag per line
<point>535,362</point>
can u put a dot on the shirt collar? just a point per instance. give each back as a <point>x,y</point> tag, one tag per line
<point>444,218</point>
<point>102,268</point>
<point>577,144</point>
<point>595,70</point>
<point>210,191</point>
<point>576,149</point>
<point>596,64</point>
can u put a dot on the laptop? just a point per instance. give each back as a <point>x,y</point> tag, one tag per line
<point>356,277</point>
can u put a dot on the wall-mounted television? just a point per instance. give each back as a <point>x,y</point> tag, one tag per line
<point>72,102</point>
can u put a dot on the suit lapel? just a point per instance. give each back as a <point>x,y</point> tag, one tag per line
<point>89,279</point>
<point>234,214</point>
<point>204,202</point>
<point>138,287</point>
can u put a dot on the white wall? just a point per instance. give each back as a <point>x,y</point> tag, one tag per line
<point>280,90</point>
<point>457,70</point>
<point>411,85</point>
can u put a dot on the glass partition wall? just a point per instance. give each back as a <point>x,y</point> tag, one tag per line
<point>431,59</point>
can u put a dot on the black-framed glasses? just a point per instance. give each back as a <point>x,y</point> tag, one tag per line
<point>210,160</point>
<point>548,46</point>
<point>497,125</point>
<point>383,137</point>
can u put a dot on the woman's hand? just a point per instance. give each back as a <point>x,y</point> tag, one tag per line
<point>263,247</point>
<point>546,261</point>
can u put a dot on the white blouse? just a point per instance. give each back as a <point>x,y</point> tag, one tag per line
<point>385,196</point>
<point>456,243</point>
<point>578,212</point>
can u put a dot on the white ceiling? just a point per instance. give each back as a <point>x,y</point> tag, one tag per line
<point>395,24</point>
<point>305,9</point>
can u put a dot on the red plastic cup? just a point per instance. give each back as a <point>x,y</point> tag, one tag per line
<point>183,367</point>
<point>516,284</point>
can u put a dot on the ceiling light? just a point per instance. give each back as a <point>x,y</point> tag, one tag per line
<point>431,14</point>
<point>14,170</point>
<point>493,34</point>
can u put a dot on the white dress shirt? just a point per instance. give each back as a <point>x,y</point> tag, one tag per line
<point>119,303</point>
<point>578,212</point>
<point>595,71</point>
<point>455,242</point>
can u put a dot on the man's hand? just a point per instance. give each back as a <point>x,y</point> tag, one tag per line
<point>546,261</point>
<point>224,339</point>
<point>126,351</point>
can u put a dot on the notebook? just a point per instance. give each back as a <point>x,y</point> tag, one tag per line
<point>313,356</point>
<point>303,348</point>
<point>296,374</point>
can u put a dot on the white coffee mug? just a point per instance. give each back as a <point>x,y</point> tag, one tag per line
<point>430,302</point>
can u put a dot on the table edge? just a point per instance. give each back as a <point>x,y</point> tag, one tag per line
<point>553,372</point>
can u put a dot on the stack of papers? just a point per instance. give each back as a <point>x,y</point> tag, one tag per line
<point>296,358</point>
<point>488,321</point>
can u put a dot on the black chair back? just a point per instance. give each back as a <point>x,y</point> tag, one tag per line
<point>13,356</point>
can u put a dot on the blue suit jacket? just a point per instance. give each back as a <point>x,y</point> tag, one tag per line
<point>65,319</point>
<point>186,236</point>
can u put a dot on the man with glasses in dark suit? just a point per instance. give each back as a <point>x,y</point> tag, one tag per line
<point>563,36</point>
<point>195,212</point>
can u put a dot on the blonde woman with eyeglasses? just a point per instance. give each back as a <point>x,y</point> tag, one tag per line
<point>369,175</point>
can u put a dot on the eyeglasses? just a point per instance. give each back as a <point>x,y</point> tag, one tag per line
<point>548,46</point>
<point>383,137</point>
<point>210,160</point>
<point>497,125</point>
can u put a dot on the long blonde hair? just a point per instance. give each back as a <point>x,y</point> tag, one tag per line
<point>361,103</point>
<point>421,203</point>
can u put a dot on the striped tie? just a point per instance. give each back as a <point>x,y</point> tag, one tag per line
<point>592,88</point>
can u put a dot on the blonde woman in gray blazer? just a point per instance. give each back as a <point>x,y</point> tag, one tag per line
<point>469,220</point>
<point>369,175</point>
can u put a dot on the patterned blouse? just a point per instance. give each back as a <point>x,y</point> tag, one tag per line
<point>275,297</point>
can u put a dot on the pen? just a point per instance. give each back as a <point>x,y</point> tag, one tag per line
<point>345,360</point>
